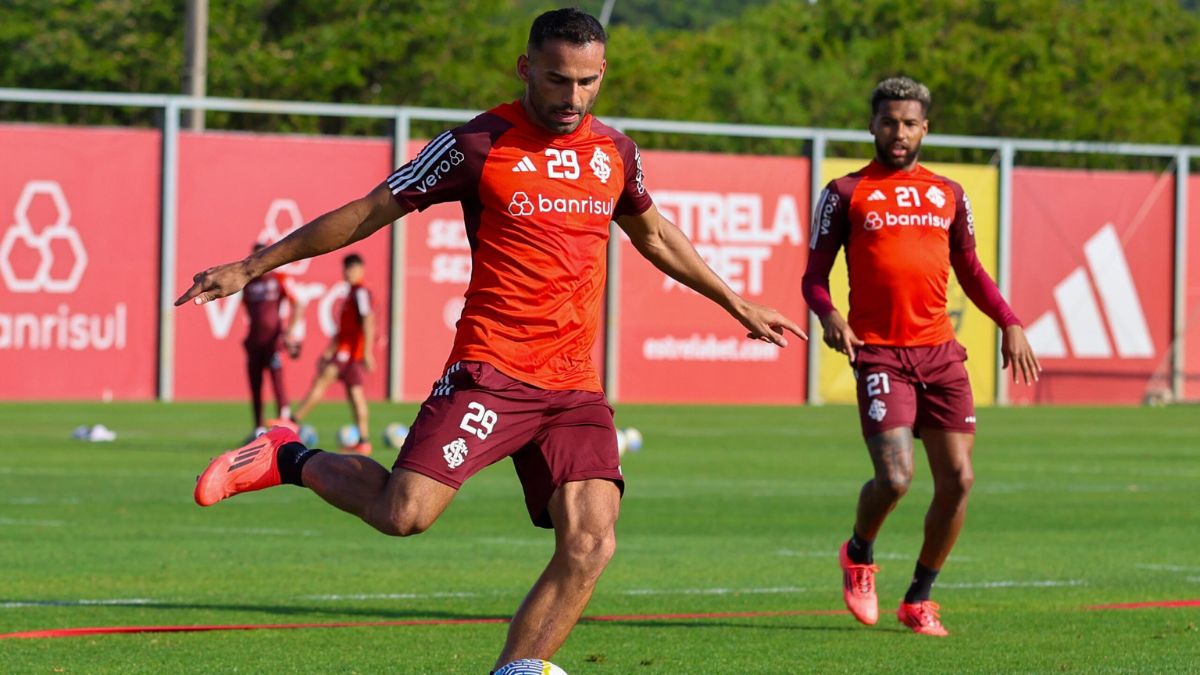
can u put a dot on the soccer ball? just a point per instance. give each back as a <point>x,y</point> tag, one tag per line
<point>633,439</point>
<point>394,435</point>
<point>348,435</point>
<point>308,435</point>
<point>530,667</point>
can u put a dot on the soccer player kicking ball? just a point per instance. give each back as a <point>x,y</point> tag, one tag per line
<point>539,180</point>
<point>903,228</point>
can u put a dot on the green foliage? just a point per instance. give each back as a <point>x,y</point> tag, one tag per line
<point>1103,70</point>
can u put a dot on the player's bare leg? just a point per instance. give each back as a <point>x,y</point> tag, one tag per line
<point>357,396</point>
<point>400,503</point>
<point>585,516</point>
<point>892,456</point>
<point>950,462</point>
<point>949,455</point>
<point>325,377</point>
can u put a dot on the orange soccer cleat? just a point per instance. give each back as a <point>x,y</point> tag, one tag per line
<point>922,618</point>
<point>360,448</point>
<point>250,467</point>
<point>283,422</point>
<point>858,588</point>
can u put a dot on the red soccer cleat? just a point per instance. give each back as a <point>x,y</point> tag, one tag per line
<point>360,448</point>
<point>283,422</point>
<point>922,618</point>
<point>858,588</point>
<point>248,468</point>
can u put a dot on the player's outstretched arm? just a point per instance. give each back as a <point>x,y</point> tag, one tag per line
<point>341,227</point>
<point>664,245</point>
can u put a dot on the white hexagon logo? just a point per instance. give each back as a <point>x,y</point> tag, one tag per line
<point>283,218</point>
<point>22,230</point>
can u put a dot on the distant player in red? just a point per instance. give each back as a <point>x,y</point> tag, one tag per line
<point>349,354</point>
<point>903,228</point>
<point>264,299</point>
<point>539,181</point>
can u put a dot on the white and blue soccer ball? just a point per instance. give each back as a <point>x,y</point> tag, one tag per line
<point>394,435</point>
<point>348,435</point>
<point>633,439</point>
<point>530,667</point>
<point>308,435</point>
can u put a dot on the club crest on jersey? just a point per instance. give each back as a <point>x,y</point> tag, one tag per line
<point>936,196</point>
<point>455,453</point>
<point>878,410</point>
<point>600,166</point>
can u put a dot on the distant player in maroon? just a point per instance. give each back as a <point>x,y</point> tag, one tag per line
<point>266,300</point>
<point>903,228</point>
<point>349,354</point>
<point>540,182</point>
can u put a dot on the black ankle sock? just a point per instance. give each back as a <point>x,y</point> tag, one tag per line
<point>291,458</point>
<point>922,584</point>
<point>861,551</point>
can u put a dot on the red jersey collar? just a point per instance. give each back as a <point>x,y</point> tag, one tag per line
<point>514,112</point>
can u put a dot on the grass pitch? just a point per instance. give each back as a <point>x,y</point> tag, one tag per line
<point>727,511</point>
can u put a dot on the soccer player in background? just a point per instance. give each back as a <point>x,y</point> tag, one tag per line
<point>904,228</point>
<point>539,180</point>
<point>264,299</point>
<point>349,354</point>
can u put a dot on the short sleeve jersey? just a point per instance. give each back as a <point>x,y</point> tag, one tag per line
<point>898,229</point>
<point>350,337</point>
<point>263,298</point>
<point>537,208</point>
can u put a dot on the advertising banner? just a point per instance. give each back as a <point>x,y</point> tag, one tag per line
<point>1092,263</point>
<point>972,327</point>
<point>748,218</point>
<point>238,189</point>
<point>78,263</point>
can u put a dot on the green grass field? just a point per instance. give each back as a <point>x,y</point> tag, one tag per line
<point>727,510</point>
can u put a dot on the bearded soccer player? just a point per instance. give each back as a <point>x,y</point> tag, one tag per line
<point>539,180</point>
<point>903,228</point>
<point>349,354</point>
<point>264,299</point>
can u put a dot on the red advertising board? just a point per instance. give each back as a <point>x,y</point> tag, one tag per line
<point>236,189</point>
<point>1191,342</point>
<point>78,263</point>
<point>748,217</point>
<point>1091,279</point>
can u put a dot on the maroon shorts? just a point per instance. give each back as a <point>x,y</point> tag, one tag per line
<point>477,416</point>
<point>916,387</point>
<point>350,371</point>
<point>262,357</point>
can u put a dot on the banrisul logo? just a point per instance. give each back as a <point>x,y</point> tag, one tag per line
<point>522,204</point>
<point>50,258</point>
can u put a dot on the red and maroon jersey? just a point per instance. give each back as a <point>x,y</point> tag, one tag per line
<point>263,299</point>
<point>537,208</point>
<point>899,229</point>
<point>350,337</point>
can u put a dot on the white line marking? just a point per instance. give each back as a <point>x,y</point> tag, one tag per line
<point>789,553</point>
<point>31,523</point>
<point>712,591</point>
<point>77,603</point>
<point>1169,568</point>
<point>1015,584</point>
<point>395,596</point>
<point>38,501</point>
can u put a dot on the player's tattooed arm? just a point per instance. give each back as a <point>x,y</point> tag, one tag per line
<point>341,227</point>
<point>664,245</point>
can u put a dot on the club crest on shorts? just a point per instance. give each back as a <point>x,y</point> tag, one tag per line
<point>878,410</point>
<point>455,453</point>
